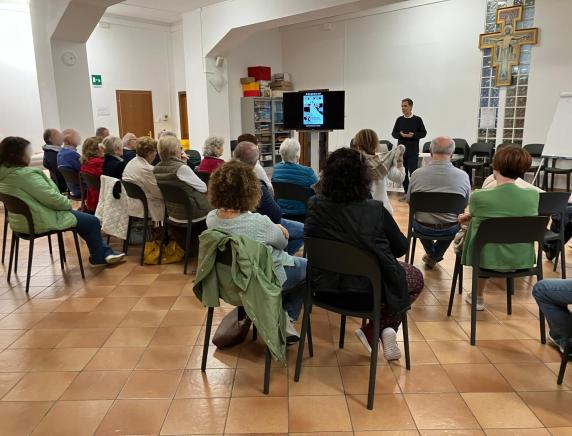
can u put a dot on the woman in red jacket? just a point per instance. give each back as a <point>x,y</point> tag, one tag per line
<point>212,151</point>
<point>91,163</point>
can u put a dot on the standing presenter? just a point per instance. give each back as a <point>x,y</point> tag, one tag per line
<point>408,130</point>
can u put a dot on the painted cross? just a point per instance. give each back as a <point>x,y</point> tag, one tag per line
<point>505,44</point>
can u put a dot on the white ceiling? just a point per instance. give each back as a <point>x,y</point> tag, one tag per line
<point>165,11</point>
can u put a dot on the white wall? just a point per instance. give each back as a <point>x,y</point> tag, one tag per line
<point>19,95</point>
<point>131,56</point>
<point>386,56</point>
<point>177,83</point>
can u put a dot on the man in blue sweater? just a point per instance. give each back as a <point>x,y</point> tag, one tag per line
<point>68,157</point>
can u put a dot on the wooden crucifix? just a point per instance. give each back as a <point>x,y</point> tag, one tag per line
<point>505,44</point>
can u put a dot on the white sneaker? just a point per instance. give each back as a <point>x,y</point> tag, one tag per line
<point>480,301</point>
<point>114,258</point>
<point>391,350</point>
<point>552,342</point>
<point>292,335</point>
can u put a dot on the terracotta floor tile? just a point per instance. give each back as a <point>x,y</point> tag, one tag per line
<point>519,376</point>
<point>94,291</point>
<point>65,359</point>
<point>547,354</point>
<point>315,380</point>
<point>143,319</point>
<point>373,433</point>
<point>85,338</point>
<point>139,279</point>
<point>452,433</point>
<point>40,386</point>
<point>215,358</point>
<point>561,431</point>
<point>390,412</point>
<point>102,320</point>
<point>96,385</point>
<point>165,357</point>
<point>73,418</point>
<point>441,331</point>
<point>178,318</point>
<point>267,415</point>
<point>151,384</point>
<point>182,336</point>
<point>423,378</point>
<point>130,337</point>
<point>489,331</point>
<point>78,305</point>
<point>129,291</point>
<point>40,338</point>
<point>20,418</point>
<point>24,320</point>
<point>107,359</point>
<point>196,416</point>
<point>312,414</point>
<point>440,411</point>
<point>506,351</point>
<point>8,380</point>
<point>555,368</point>
<point>420,353</point>
<point>212,383</point>
<point>354,354</point>
<point>248,382</point>
<point>8,337</point>
<point>554,409</point>
<point>154,303</point>
<point>134,417</point>
<point>39,305</point>
<point>356,380</point>
<point>115,304</point>
<point>480,377</point>
<point>519,432</point>
<point>457,352</point>
<point>501,410</point>
<point>14,360</point>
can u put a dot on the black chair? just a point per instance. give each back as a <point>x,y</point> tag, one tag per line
<point>461,149</point>
<point>430,202</point>
<point>535,150</point>
<point>91,181</point>
<point>292,191</point>
<point>177,195</point>
<point>205,177</point>
<point>566,355</point>
<point>194,158</point>
<point>553,171</point>
<point>225,258</point>
<point>427,147</point>
<point>74,178</point>
<point>482,150</point>
<point>389,144</point>
<point>135,192</point>
<point>18,207</point>
<point>551,203</point>
<point>510,230</point>
<point>343,258</point>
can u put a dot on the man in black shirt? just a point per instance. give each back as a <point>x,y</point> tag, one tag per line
<point>408,130</point>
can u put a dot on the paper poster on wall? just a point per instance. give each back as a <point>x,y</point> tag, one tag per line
<point>488,118</point>
<point>103,112</point>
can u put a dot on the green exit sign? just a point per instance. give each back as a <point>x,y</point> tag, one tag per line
<point>96,80</point>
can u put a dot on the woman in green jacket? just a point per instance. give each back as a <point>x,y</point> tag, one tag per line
<point>50,209</point>
<point>505,200</point>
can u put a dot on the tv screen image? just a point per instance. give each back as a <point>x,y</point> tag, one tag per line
<point>314,110</point>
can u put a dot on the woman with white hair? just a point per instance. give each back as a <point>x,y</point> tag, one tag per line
<point>290,171</point>
<point>212,151</point>
<point>113,163</point>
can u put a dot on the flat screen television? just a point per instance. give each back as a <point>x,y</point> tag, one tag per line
<point>314,110</point>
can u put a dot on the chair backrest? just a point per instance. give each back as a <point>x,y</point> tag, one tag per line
<point>91,181</point>
<point>72,176</point>
<point>174,194</point>
<point>341,258</point>
<point>552,202</point>
<point>135,192</point>
<point>224,257</point>
<point>436,202</point>
<point>18,207</point>
<point>194,156</point>
<point>205,177</point>
<point>291,191</point>
<point>389,144</point>
<point>427,147</point>
<point>481,149</point>
<point>461,147</point>
<point>509,230</point>
<point>535,150</point>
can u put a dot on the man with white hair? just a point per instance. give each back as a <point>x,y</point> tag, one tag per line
<point>129,145</point>
<point>438,176</point>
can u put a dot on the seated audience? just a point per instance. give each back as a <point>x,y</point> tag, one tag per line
<point>140,171</point>
<point>553,298</point>
<point>343,211</point>
<point>173,169</point>
<point>50,209</point>
<point>91,163</point>
<point>113,163</point>
<point>68,158</point>
<point>53,144</point>
<point>234,192</point>
<point>102,133</point>
<point>212,151</point>
<point>381,166</point>
<point>438,176</point>
<point>290,171</point>
<point>505,200</point>
<point>129,145</point>
<point>260,172</point>
<point>248,153</point>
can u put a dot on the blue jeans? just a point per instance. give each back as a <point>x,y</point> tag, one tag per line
<point>436,249</point>
<point>292,302</point>
<point>550,246</point>
<point>553,297</point>
<point>89,228</point>
<point>296,232</point>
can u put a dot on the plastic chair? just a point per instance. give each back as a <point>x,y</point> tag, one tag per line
<point>427,147</point>
<point>18,207</point>
<point>461,148</point>
<point>177,195</point>
<point>553,171</point>
<point>135,192</point>
<point>389,144</point>
<point>510,230</point>
<point>74,178</point>
<point>225,258</point>
<point>292,191</point>
<point>194,157</point>
<point>205,177</point>
<point>344,258</point>
<point>91,181</point>
<point>482,150</point>
<point>566,355</point>
<point>430,202</point>
<point>550,203</point>
<point>535,150</point>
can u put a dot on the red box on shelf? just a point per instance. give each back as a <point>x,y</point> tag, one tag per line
<point>260,73</point>
<point>251,93</point>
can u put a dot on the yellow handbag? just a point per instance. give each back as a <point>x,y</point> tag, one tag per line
<point>172,253</point>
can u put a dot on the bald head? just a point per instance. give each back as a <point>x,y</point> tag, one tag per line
<point>247,152</point>
<point>71,138</point>
<point>53,137</point>
<point>442,147</point>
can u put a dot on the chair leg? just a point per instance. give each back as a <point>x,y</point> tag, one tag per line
<point>310,340</point>
<point>62,250</point>
<point>16,255</point>
<point>460,276</point>
<point>564,362</point>
<point>303,333</point>
<point>509,293</point>
<point>542,327</point>
<point>30,259</point>
<point>254,333</point>
<point>267,367</point>
<point>406,340</point>
<point>187,248</point>
<point>4,236</point>
<point>108,239</point>
<point>144,241</point>
<point>78,251</point>
<point>162,242</point>
<point>373,363</point>
<point>126,242</point>
<point>563,259</point>
<point>342,331</point>
<point>413,245</point>
<point>474,308</point>
<point>454,284</point>
<point>12,250</point>
<point>207,338</point>
<point>50,245</point>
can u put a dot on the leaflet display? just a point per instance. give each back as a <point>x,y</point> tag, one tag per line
<point>314,110</point>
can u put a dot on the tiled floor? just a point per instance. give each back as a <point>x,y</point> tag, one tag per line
<point>119,354</point>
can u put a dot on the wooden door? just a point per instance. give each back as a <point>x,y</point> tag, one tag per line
<point>135,113</point>
<point>183,115</point>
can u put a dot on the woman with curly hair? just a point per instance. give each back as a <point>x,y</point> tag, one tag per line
<point>234,191</point>
<point>91,163</point>
<point>343,211</point>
